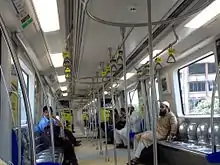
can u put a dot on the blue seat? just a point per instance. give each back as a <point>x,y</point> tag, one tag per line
<point>213,157</point>
<point>48,163</point>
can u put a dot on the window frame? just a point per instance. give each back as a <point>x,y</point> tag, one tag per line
<point>179,84</point>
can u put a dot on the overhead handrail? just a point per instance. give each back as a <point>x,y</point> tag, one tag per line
<point>44,91</point>
<point>23,88</point>
<point>167,21</point>
<point>169,45</point>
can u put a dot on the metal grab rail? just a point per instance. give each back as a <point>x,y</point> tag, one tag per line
<point>23,88</point>
<point>44,91</point>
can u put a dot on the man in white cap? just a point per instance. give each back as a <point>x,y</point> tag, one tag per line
<point>166,127</point>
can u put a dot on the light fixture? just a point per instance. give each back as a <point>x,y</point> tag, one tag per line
<point>57,59</point>
<point>205,15</point>
<point>64,88</point>
<point>65,94</point>
<point>47,14</point>
<point>105,93</point>
<point>155,52</point>
<point>128,75</point>
<point>61,78</point>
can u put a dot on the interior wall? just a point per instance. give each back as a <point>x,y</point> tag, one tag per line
<point>170,72</point>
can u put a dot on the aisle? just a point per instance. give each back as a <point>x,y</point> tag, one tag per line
<point>88,155</point>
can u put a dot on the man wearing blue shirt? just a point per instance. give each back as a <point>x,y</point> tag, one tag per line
<point>43,128</point>
<point>45,121</point>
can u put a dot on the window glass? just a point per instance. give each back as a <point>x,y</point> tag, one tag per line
<point>197,68</point>
<point>22,106</point>
<point>197,86</point>
<point>196,90</point>
<point>211,68</point>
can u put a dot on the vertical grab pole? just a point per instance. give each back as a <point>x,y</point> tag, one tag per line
<point>122,29</point>
<point>212,116</point>
<point>146,110</point>
<point>153,105</point>
<point>19,130</point>
<point>113,111</point>
<point>99,111</point>
<point>44,92</point>
<point>95,111</point>
<point>24,89</point>
<point>106,135</point>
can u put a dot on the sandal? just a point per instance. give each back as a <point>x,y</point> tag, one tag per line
<point>134,161</point>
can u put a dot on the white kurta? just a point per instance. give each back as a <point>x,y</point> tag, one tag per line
<point>122,135</point>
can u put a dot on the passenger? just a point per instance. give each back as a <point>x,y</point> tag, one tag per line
<point>44,122</point>
<point>166,127</point>
<point>122,135</point>
<point>44,126</point>
<point>85,118</point>
<point>110,133</point>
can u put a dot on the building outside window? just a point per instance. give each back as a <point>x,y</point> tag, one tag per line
<point>196,84</point>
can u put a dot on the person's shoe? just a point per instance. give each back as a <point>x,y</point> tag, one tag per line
<point>77,145</point>
<point>78,141</point>
<point>121,146</point>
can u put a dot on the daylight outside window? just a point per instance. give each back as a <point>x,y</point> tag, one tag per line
<point>22,106</point>
<point>196,83</point>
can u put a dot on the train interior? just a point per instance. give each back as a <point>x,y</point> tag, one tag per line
<point>85,57</point>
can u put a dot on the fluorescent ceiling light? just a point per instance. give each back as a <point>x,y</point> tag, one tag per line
<point>47,14</point>
<point>61,78</point>
<point>57,60</point>
<point>204,16</point>
<point>64,88</point>
<point>128,75</point>
<point>105,93</point>
<point>144,61</point>
<point>65,94</point>
<point>114,85</point>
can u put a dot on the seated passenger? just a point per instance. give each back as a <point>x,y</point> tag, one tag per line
<point>120,123</point>
<point>122,135</point>
<point>44,122</point>
<point>44,127</point>
<point>166,126</point>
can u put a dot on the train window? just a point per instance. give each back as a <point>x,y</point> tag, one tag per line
<point>196,83</point>
<point>22,106</point>
<point>197,86</point>
<point>211,68</point>
<point>197,68</point>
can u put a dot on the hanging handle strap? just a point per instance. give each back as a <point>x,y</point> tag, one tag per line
<point>171,52</point>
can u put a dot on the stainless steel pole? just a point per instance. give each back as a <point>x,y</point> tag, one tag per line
<point>44,92</point>
<point>113,113</point>
<point>146,112</point>
<point>23,87</point>
<point>99,111</point>
<point>95,111</point>
<point>152,106</point>
<point>106,135</point>
<point>125,95</point>
<point>212,117</point>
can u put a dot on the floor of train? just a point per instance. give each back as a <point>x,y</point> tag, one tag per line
<point>88,155</point>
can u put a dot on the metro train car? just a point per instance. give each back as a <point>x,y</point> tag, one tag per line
<point>93,82</point>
